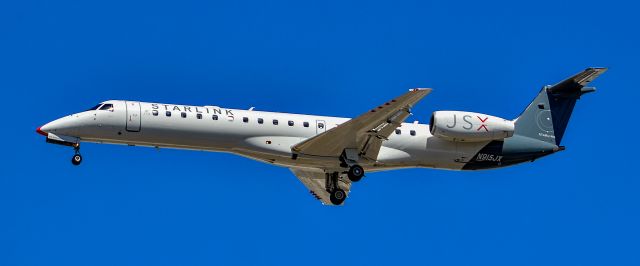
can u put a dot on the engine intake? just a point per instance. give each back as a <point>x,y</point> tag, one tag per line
<point>469,127</point>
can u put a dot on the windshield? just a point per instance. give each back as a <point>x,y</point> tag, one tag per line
<point>95,107</point>
<point>107,106</point>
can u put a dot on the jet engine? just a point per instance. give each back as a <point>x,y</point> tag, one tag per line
<point>469,127</point>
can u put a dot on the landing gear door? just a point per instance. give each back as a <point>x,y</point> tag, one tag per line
<point>321,126</point>
<point>133,116</point>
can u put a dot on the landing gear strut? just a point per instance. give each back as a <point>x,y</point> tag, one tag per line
<point>77,158</point>
<point>336,194</point>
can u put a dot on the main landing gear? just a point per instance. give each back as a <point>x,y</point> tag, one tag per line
<point>355,173</point>
<point>349,159</point>
<point>336,194</point>
<point>77,158</point>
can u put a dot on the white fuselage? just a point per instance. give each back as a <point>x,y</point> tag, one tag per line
<point>327,153</point>
<point>239,132</point>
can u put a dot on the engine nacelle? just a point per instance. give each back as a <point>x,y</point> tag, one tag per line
<point>469,127</point>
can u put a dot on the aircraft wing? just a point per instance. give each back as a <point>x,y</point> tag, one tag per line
<point>315,181</point>
<point>364,133</point>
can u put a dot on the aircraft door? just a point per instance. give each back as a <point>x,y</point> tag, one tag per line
<point>321,126</point>
<point>133,116</point>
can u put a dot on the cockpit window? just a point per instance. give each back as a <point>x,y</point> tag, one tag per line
<point>95,107</point>
<point>107,107</point>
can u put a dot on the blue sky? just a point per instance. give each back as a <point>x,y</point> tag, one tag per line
<point>139,206</point>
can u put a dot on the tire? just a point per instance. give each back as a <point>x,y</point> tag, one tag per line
<point>338,196</point>
<point>76,159</point>
<point>355,173</point>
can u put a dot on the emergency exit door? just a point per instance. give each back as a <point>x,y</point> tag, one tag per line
<point>133,116</point>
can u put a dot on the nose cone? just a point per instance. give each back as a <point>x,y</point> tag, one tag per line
<point>39,130</point>
<point>66,126</point>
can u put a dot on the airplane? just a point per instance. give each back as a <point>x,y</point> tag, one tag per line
<point>329,154</point>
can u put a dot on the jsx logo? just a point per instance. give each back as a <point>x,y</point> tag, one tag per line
<point>483,125</point>
<point>468,125</point>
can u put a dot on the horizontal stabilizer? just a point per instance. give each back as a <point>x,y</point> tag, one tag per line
<point>573,86</point>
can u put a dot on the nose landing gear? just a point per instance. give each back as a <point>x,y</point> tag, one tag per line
<point>77,158</point>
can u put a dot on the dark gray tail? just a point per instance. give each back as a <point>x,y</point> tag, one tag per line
<point>546,118</point>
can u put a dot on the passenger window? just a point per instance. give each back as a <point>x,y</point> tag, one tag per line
<point>412,132</point>
<point>168,113</point>
<point>275,122</point>
<point>305,124</point>
<point>155,112</point>
<point>184,115</point>
<point>107,107</point>
<point>320,125</point>
<point>290,123</point>
<point>214,117</point>
<point>199,116</point>
<point>260,121</point>
<point>245,119</point>
<point>398,131</point>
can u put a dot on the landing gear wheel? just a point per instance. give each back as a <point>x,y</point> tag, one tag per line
<point>338,196</point>
<point>355,173</point>
<point>76,159</point>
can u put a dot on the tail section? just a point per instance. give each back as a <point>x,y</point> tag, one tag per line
<point>546,118</point>
<point>539,129</point>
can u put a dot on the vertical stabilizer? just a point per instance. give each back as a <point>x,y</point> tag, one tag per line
<point>547,116</point>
